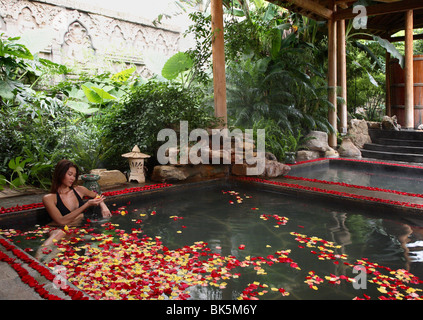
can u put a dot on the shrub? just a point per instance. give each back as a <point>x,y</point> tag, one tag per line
<point>147,110</point>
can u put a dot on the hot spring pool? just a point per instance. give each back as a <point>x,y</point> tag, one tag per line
<point>364,173</point>
<point>232,241</point>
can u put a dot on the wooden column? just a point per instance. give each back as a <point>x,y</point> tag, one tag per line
<point>218,51</point>
<point>408,72</point>
<point>388,84</point>
<point>342,76</point>
<point>332,116</point>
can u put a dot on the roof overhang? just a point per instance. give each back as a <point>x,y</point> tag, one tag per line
<point>384,17</point>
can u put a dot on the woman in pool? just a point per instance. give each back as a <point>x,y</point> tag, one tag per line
<point>64,203</point>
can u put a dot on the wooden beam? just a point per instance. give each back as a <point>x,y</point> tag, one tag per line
<point>309,5</point>
<point>342,3</point>
<point>380,9</point>
<point>409,71</point>
<point>218,52</point>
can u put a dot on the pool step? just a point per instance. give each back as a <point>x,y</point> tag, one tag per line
<point>399,142</point>
<point>405,157</point>
<point>404,145</point>
<point>415,135</point>
<point>396,147</point>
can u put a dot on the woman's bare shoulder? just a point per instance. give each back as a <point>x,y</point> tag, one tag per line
<point>81,189</point>
<point>50,197</point>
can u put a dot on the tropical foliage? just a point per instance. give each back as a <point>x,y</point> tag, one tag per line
<point>273,70</point>
<point>276,80</point>
<point>149,109</point>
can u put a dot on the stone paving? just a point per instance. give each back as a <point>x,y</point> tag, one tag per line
<point>11,286</point>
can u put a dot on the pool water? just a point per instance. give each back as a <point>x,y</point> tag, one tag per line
<point>369,175</point>
<point>235,242</point>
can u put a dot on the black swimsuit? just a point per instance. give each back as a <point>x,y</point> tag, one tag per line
<point>61,206</point>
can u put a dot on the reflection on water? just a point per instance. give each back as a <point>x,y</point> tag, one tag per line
<point>393,180</point>
<point>247,224</point>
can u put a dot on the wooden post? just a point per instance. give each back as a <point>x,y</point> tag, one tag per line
<point>332,116</point>
<point>408,72</point>
<point>342,75</point>
<point>218,52</point>
<point>388,84</point>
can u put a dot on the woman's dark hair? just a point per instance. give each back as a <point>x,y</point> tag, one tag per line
<point>59,173</point>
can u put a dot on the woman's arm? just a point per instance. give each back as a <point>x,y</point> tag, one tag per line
<point>73,216</point>
<point>91,194</point>
<point>84,192</point>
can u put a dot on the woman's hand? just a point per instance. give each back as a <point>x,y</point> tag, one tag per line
<point>96,201</point>
<point>106,212</point>
<point>99,201</point>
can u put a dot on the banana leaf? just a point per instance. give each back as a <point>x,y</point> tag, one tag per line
<point>391,49</point>
<point>176,64</point>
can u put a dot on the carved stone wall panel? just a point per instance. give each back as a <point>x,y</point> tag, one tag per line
<point>78,33</point>
<point>77,42</point>
<point>140,41</point>
<point>2,25</point>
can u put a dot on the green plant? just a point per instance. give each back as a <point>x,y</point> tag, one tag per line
<point>292,142</point>
<point>273,134</point>
<point>278,140</point>
<point>150,108</point>
<point>31,130</point>
<point>89,147</point>
<point>20,71</point>
<point>45,126</point>
<point>17,166</point>
<point>40,166</point>
<point>29,118</point>
<point>365,86</point>
<point>295,142</point>
<point>274,73</point>
<point>88,95</point>
<point>391,49</point>
<point>202,52</point>
<point>176,66</point>
<point>12,66</point>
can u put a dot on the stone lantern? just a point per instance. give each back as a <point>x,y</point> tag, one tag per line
<point>90,182</point>
<point>136,164</point>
